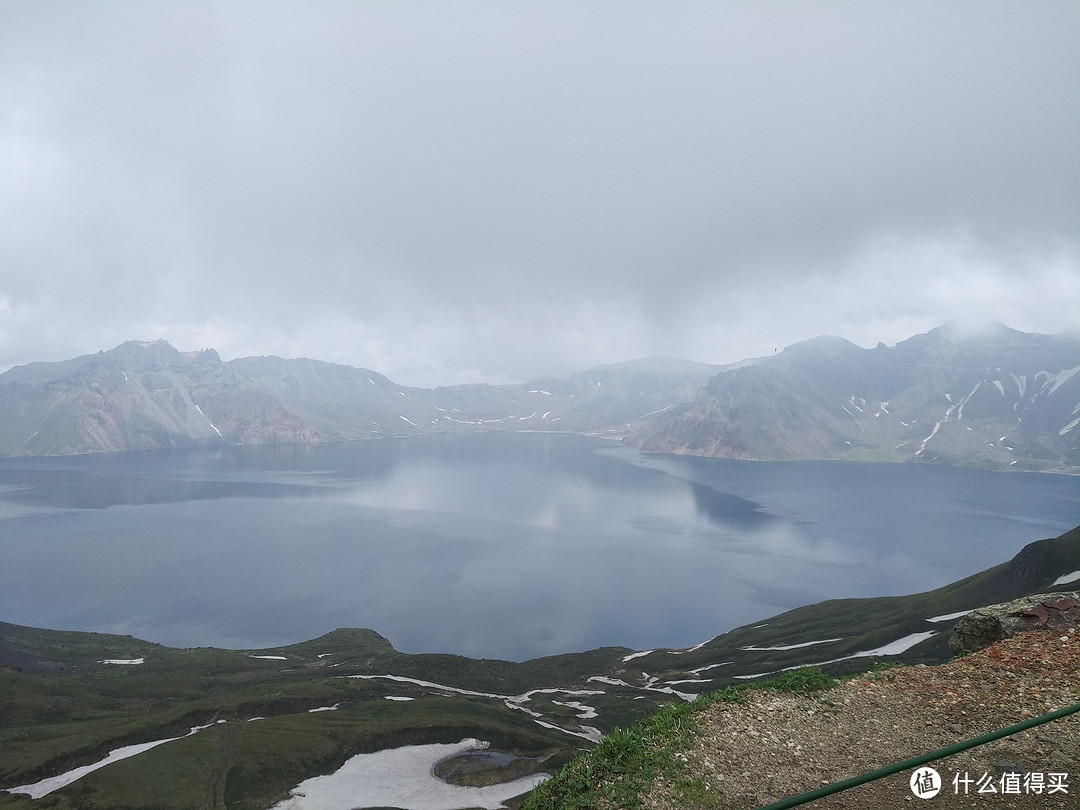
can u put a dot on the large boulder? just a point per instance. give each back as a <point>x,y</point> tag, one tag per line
<point>983,626</point>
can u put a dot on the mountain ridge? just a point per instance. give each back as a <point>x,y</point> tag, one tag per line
<point>1001,399</point>
<point>998,398</point>
<point>149,395</point>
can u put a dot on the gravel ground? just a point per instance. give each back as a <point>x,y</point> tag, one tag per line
<point>775,745</point>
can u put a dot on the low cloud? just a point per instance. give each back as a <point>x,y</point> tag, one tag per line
<point>497,192</point>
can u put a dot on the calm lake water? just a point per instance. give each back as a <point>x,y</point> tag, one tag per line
<point>488,545</point>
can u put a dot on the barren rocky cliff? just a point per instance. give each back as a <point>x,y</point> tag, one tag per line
<point>1001,399</point>
<point>1004,400</point>
<point>149,395</point>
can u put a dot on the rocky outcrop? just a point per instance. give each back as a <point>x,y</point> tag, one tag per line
<point>1004,400</point>
<point>147,395</point>
<point>1001,399</point>
<point>984,626</point>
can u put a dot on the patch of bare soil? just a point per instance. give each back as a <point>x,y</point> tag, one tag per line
<point>775,745</point>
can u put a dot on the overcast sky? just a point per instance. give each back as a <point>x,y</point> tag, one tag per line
<point>460,191</point>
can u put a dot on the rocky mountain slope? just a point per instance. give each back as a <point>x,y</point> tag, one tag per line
<point>1002,399</point>
<point>148,395</point>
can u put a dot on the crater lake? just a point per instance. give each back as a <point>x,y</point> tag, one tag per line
<point>493,545</point>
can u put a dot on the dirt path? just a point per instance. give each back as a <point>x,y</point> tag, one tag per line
<point>775,745</point>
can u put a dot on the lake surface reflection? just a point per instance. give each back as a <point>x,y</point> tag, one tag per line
<point>489,545</point>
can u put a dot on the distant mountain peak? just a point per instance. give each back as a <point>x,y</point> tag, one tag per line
<point>962,394</point>
<point>959,394</point>
<point>149,355</point>
<point>965,330</point>
<point>822,347</point>
<point>148,344</point>
<point>825,344</point>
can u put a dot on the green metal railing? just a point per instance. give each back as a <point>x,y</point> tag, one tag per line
<point>914,762</point>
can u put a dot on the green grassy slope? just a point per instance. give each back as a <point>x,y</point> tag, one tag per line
<point>866,624</point>
<point>62,707</point>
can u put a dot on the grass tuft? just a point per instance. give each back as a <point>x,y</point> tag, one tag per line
<point>618,771</point>
<point>803,680</point>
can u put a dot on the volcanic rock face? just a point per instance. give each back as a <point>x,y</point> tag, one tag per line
<point>136,396</point>
<point>1001,399</point>
<point>984,626</point>
<point>145,395</point>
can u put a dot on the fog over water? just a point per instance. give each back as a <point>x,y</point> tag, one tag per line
<point>492,545</point>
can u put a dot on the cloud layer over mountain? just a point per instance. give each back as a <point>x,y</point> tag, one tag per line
<point>450,192</point>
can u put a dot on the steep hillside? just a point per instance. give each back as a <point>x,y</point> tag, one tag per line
<point>134,397</point>
<point>149,395</point>
<point>1002,399</point>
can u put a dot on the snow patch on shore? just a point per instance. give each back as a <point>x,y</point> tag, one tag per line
<point>892,648</point>
<point>48,785</point>
<point>949,616</point>
<point>791,646</point>
<point>402,777</point>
